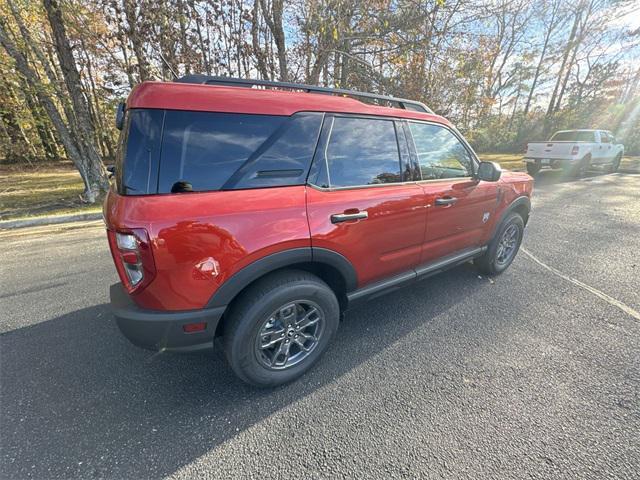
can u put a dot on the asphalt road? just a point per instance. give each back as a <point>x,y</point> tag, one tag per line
<point>533,374</point>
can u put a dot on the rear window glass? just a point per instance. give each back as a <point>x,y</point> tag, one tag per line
<point>284,158</point>
<point>574,136</point>
<point>362,152</point>
<point>202,150</point>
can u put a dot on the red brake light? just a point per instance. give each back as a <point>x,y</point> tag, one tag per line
<point>132,254</point>
<point>130,257</point>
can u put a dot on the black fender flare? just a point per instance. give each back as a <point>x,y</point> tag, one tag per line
<point>241,279</point>
<point>516,204</point>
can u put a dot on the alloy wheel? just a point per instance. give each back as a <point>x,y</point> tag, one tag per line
<point>289,334</point>
<point>508,244</point>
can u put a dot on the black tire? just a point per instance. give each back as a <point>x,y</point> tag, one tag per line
<point>533,168</point>
<point>254,311</point>
<point>615,164</point>
<point>490,263</point>
<point>580,168</point>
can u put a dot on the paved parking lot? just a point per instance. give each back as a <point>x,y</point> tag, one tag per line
<point>533,374</point>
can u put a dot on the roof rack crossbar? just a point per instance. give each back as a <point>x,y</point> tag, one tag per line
<point>230,81</point>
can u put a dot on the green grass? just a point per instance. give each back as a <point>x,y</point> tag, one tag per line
<point>508,161</point>
<point>51,189</point>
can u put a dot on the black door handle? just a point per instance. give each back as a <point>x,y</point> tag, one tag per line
<point>446,200</point>
<point>345,217</point>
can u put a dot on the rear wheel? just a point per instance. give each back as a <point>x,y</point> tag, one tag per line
<point>533,167</point>
<point>280,327</point>
<point>504,246</point>
<point>579,169</point>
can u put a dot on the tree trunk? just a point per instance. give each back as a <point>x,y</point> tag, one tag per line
<point>136,41</point>
<point>98,179</point>
<point>86,169</point>
<point>274,22</point>
<point>565,57</point>
<point>255,41</point>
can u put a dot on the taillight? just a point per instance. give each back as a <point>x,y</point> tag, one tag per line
<point>574,150</point>
<point>133,257</point>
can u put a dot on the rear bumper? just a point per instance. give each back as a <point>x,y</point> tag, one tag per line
<point>549,160</point>
<point>162,330</point>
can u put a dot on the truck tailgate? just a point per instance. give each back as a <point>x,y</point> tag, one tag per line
<point>549,149</point>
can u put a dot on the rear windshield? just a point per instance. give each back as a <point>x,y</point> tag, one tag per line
<point>574,136</point>
<point>168,151</point>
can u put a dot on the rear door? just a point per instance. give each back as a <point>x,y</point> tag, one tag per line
<point>362,201</point>
<point>459,207</point>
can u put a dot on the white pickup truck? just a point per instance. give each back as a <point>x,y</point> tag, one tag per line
<point>575,151</point>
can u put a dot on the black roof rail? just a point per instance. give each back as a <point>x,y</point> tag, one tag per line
<point>239,82</point>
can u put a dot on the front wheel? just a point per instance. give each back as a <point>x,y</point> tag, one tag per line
<point>616,164</point>
<point>503,247</point>
<point>280,327</point>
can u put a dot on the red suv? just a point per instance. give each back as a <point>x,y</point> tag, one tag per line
<point>254,217</point>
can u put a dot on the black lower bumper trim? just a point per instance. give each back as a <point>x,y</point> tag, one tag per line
<point>163,330</point>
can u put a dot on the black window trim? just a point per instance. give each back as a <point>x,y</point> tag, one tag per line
<point>414,152</point>
<point>320,157</point>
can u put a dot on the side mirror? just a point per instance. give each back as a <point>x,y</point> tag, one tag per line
<point>489,172</point>
<point>120,115</point>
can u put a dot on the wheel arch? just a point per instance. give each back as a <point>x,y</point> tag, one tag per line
<point>330,266</point>
<point>521,206</point>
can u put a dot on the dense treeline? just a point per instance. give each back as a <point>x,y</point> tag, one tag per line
<point>505,71</point>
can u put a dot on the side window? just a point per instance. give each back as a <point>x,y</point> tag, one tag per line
<point>202,150</point>
<point>604,137</point>
<point>440,153</point>
<point>362,151</point>
<point>284,159</point>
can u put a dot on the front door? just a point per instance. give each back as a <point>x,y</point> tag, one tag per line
<point>359,204</point>
<point>458,206</point>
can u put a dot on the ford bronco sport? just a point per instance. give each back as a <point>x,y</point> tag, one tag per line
<point>252,218</point>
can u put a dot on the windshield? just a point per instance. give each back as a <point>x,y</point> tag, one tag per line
<point>573,136</point>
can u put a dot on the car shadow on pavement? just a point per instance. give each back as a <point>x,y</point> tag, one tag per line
<point>552,177</point>
<point>79,401</point>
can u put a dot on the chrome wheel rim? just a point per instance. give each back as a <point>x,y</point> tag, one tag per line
<point>289,334</point>
<point>507,245</point>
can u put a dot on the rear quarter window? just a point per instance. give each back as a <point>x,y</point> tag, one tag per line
<point>213,151</point>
